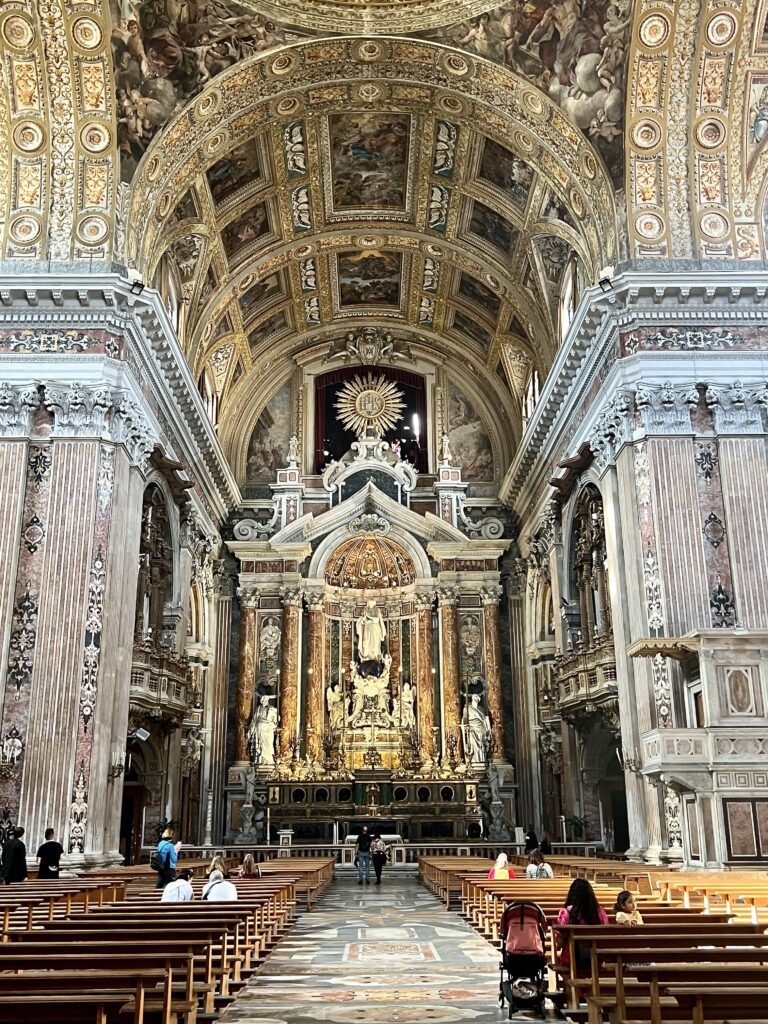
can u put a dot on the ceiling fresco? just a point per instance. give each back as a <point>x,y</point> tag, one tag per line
<point>80,84</point>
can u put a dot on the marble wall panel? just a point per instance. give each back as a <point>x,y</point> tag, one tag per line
<point>745,490</point>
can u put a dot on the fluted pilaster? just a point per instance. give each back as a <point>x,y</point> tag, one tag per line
<point>425,675</point>
<point>448,600</point>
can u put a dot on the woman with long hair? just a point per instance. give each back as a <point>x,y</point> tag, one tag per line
<point>217,864</point>
<point>581,907</point>
<point>249,868</point>
<point>538,867</point>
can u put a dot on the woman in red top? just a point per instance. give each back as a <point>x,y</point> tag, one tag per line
<point>501,868</point>
<point>581,907</point>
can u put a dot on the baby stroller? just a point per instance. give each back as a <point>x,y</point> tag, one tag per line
<point>523,932</point>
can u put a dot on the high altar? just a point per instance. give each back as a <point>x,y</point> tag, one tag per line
<point>369,680</point>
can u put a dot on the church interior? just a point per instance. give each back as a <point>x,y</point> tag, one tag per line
<point>384,430</point>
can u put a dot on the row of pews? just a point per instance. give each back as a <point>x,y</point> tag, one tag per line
<point>105,950</point>
<point>694,959</point>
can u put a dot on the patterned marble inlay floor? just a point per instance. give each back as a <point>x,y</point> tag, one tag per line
<point>370,955</point>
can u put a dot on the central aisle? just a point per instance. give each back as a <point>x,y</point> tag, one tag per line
<point>375,955</point>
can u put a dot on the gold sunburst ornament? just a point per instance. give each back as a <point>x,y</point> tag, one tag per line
<point>370,403</point>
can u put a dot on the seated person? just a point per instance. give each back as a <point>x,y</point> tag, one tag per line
<point>625,910</point>
<point>538,867</point>
<point>501,868</point>
<point>218,889</point>
<point>180,890</point>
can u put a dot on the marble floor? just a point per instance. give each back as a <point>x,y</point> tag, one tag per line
<point>375,955</point>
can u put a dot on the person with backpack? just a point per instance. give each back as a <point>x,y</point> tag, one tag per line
<point>163,859</point>
<point>538,867</point>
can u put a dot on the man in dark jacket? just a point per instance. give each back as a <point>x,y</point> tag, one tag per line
<point>14,858</point>
<point>364,856</point>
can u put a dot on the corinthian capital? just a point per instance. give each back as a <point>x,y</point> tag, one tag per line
<point>666,409</point>
<point>491,593</point>
<point>248,597</point>
<point>79,411</point>
<point>291,596</point>
<point>448,595</point>
<point>613,429</point>
<point>131,428</point>
<point>424,602</point>
<point>315,600</point>
<point>18,406</point>
<point>738,409</point>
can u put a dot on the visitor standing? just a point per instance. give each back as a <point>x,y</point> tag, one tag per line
<point>379,855</point>
<point>49,856</point>
<point>166,855</point>
<point>14,858</point>
<point>363,856</point>
<point>531,842</point>
<point>179,890</point>
<point>545,845</point>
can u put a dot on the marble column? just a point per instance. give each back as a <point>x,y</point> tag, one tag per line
<point>246,670</point>
<point>425,676</point>
<point>490,597</point>
<point>448,600</point>
<point>216,702</point>
<point>289,671</point>
<point>315,689</point>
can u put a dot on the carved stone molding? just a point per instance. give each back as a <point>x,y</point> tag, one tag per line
<point>424,602</point>
<point>368,524</point>
<point>665,408</point>
<point>18,406</point>
<point>738,409</point>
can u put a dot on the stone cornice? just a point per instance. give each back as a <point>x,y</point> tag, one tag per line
<point>71,298</point>
<point>677,293</point>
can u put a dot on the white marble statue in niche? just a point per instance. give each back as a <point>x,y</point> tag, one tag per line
<point>371,633</point>
<point>269,640</point>
<point>261,735</point>
<point>403,713</point>
<point>476,730</point>
<point>335,701</point>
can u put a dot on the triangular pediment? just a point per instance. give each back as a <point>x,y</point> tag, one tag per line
<point>368,501</point>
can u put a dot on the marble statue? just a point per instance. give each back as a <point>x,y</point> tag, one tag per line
<point>476,730</point>
<point>446,455</point>
<point>293,450</point>
<point>269,640</point>
<point>261,735</point>
<point>335,701</point>
<point>370,697</point>
<point>403,713</point>
<point>248,781</point>
<point>371,633</point>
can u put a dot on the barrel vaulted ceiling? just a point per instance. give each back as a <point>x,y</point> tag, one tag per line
<point>429,171</point>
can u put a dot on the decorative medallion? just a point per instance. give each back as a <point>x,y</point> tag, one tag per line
<point>25,230</point>
<point>87,34</point>
<point>93,229</point>
<point>18,32</point>
<point>646,134</point>
<point>649,225</point>
<point>714,530</point>
<point>721,29</point>
<point>654,31</point>
<point>714,225</point>
<point>370,403</point>
<point>28,136</point>
<point>710,133</point>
